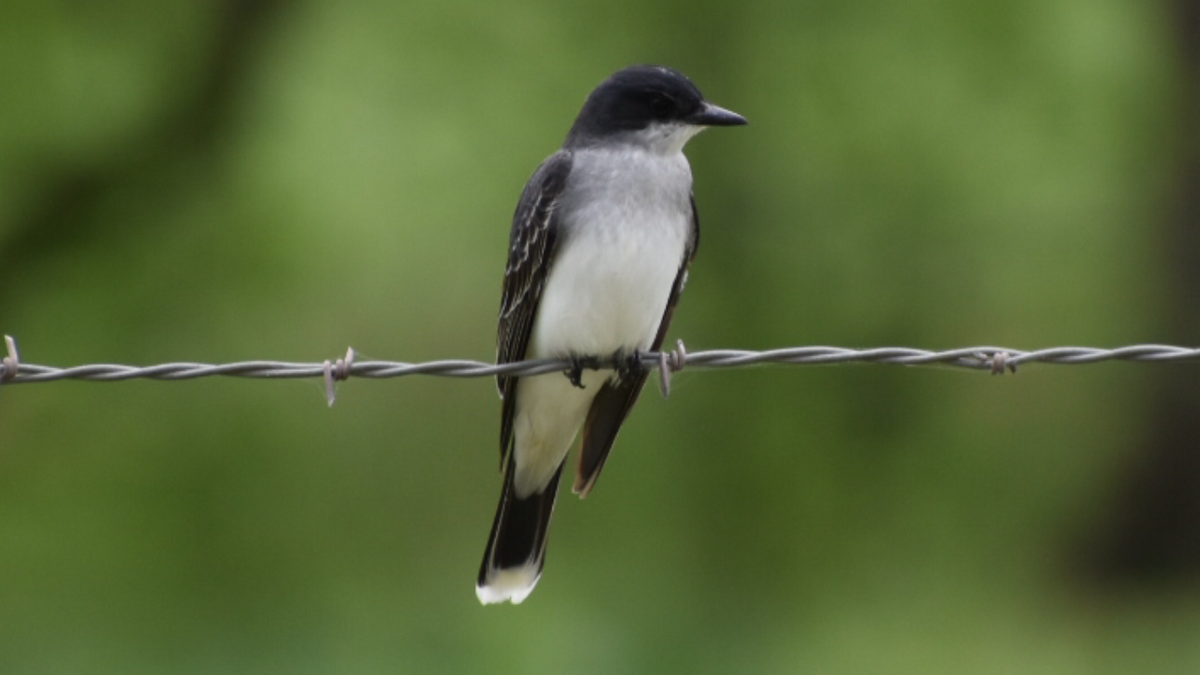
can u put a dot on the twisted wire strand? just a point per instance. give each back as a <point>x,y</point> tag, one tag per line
<point>995,359</point>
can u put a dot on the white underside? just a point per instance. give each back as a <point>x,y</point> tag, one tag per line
<point>607,290</point>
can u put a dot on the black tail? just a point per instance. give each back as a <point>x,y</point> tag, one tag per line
<point>516,550</point>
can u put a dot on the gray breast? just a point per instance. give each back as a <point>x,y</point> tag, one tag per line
<point>626,186</point>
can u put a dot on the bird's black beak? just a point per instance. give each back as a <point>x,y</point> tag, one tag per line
<point>710,115</point>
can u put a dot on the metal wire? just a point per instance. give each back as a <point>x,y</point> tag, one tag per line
<point>994,359</point>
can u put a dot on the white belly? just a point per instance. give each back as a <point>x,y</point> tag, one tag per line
<point>607,289</point>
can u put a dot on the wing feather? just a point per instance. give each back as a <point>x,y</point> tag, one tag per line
<point>530,250</point>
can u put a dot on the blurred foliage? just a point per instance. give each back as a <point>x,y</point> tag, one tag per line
<point>219,181</point>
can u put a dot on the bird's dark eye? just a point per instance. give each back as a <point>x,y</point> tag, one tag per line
<point>661,105</point>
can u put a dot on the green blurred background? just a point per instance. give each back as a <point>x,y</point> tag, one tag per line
<point>216,181</point>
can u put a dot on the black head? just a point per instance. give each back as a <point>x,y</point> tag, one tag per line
<point>640,97</point>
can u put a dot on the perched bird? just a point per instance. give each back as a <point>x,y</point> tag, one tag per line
<point>598,255</point>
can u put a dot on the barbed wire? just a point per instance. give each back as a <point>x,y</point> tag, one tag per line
<point>993,359</point>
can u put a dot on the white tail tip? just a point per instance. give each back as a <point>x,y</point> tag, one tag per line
<point>513,585</point>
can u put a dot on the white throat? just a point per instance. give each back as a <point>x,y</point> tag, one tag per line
<point>665,138</point>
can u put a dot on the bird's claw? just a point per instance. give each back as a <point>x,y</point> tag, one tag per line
<point>575,372</point>
<point>628,366</point>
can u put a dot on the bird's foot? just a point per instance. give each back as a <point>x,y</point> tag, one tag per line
<point>628,365</point>
<point>578,364</point>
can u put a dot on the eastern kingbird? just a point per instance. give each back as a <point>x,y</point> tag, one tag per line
<point>597,258</point>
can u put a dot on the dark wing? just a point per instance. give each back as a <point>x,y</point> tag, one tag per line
<point>530,249</point>
<point>616,398</point>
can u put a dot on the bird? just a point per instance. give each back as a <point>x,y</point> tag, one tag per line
<point>598,255</point>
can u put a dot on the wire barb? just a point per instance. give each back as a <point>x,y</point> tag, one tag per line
<point>336,372</point>
<point>1000,361</point>
<point>10,365</point>
<point>670,363</point>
